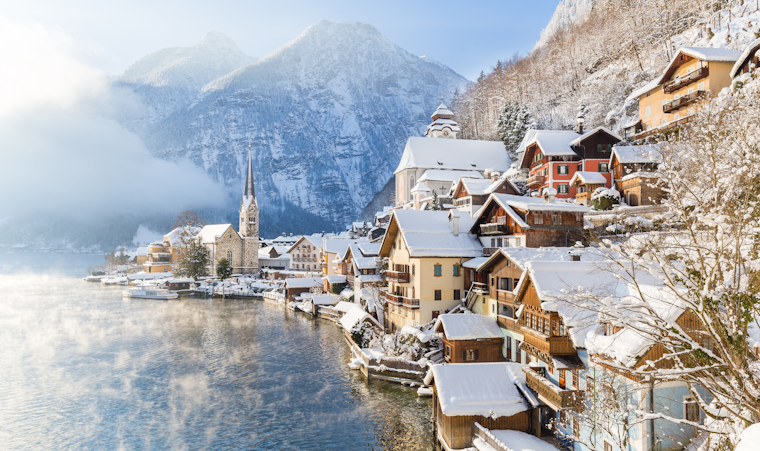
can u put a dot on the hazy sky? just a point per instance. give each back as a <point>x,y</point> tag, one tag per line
<point>468,36</point>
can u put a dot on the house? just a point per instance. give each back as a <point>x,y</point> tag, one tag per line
<point>141,255</point>
<point>633,169</point>
<point>306,253</point>
<point>552,157</point>
<point>441,181</point>
<point>469,194</point>
<point>274,257</point>
<point>223,241</point>
<point>470,338</point>
<point>456,157</point>
<point>493,395</point>
<point>425,251</point>
<point>747,63</point>
<point>694,73</point>
<point>159,258</point>
<point>516,221</point>
<point>297,286</point>
<point>585,183</point>
<point>332,250</point>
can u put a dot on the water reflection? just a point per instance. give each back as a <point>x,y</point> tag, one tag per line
<point>84,368</point>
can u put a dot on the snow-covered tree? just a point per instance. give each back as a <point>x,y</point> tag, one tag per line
<point>194,261</point>
<point>435,203</point>
<point>223,269</point>
<point>514,122</point>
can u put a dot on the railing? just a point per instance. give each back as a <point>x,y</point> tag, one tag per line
<point>688,79</point>
<point>660,129</point>
<point>397,299</point>
<point>484,434</point>
<point>535,180</point>
<point>549,345</point>
<point>491,229</point>
<point>557,397</point>
<point>681,102</point>
<point>397,276</point>
<point>505,295</point>
<point>508,323</point>
<point>476,288</point>
<point>583,196</point>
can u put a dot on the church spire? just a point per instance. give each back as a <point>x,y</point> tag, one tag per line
<point>249,191</point>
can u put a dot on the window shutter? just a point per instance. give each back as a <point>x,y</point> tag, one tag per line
<point>598,147</point>
<point>599,168</point>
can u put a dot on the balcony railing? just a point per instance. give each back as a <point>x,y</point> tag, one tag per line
<point>492,229</point>
<point>397,276</point>
<point>535,180</point>
<point>508,323</point>
<point>583,196</point>
<point>687,79</point>
<point>397,299</point>
<point>549,345</point>
<point>681,102</point>
<point>556,397</point>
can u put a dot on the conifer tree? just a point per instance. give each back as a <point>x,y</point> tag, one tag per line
<point>194,261</point>
<point>223,269</point>
<point>514,122</point>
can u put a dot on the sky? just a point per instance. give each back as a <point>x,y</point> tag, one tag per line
<point>469,37</point>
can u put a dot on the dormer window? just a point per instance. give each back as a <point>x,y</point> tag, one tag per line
<point>440,163</point>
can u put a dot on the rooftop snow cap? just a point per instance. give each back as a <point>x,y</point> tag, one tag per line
<point>550,194</point>
<point>454,221</point>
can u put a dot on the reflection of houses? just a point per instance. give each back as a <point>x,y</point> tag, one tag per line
<point>552,157</point>
<point>493,395</point>
<point>693,74</point>
<point>633,169</point>
<point>470,338</point>
<point>449,158</point>
<point>425,251</point>
<point>515,221</point>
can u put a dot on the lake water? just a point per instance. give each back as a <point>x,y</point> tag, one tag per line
<point>83,368</point>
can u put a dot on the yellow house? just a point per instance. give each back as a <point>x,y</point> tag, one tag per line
<point>425,251</point>
<point>159,258</point>
<point>694,73</point>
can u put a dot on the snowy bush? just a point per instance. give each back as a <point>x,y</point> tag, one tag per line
<point>365,335</point>
<point>604,198</point>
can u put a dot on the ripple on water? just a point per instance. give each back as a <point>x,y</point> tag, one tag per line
<point>84,368</point>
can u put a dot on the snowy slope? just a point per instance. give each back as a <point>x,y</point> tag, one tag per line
<point>327,115</point>
<point>567,12</point>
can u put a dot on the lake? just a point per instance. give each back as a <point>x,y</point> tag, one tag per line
<point>83,368</point>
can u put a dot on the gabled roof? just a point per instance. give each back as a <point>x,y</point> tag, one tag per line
<point>577,141</point>
<point>420,187</point>
<point>520,256</point>
<point>338,245</point>
<point>305,282</point>
<point>509,202</point>
<point>702,53</point>
<point>442,110</point>
<point>210,233</point>
<point>636,154</point>
<point>448,176</point>
<point>753,47</point>
<point>369,249</point>
<point>427,233</point>
<point>461,154</point>
<point>551,142</point>
<point>644,89</point>
<point>315,240</point>
<point>587,177</point>
<point>467,326</point>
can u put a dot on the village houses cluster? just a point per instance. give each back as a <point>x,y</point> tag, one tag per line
<point>478,251</point>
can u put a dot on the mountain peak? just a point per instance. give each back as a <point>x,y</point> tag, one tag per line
<point>216,40</point>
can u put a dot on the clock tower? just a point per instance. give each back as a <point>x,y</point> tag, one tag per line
<point>249,221</point>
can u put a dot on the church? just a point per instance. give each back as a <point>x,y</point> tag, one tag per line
<point>240,247</point>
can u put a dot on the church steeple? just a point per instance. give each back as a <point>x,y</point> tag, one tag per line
<point>248,191</point>
<point>443,126</point>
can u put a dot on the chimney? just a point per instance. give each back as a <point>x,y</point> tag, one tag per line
<point>283,233</point>
<point>550,194</point>
<point>575,257</point>
<point>579,125</point>
<point>454,221</point>
<point>495,176</point>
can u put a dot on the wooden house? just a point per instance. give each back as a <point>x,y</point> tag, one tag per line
<point>297,286</point>
<point>633,169</point>
<point>552,157</point>
<point>694,73</point>
<point>470,338</point>
<point>585,183</point>
<point>469,194</point>
<point>747,63</point>
<point>490,394</point>
<point>516,221</point>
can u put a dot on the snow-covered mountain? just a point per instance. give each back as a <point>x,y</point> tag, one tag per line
<point>327,116</point>
<point>568,11</point>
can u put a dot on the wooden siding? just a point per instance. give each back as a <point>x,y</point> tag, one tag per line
<point>488,350</point>
<point>587,149</point>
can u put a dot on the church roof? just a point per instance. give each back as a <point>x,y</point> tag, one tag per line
<point>462,154</point>
<point>442,110</point>
<point>249,194</point>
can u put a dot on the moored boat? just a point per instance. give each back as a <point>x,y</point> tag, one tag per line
<point>150,293</point>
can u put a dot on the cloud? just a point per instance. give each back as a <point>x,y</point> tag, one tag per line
<point>60,149</point>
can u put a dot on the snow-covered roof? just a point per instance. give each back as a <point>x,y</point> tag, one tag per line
<point>441,175</point>
<point>335,279</point>
<point>442,110</point>
<point>483,389</point>
<point>369,249</point>
<point>510,201</point>
<point>426,233</point>
<point>476,187</point>
<point>577,141</point>
<point>703,53</point>
<point>519,441</point>
<point>462,154</point>
<point>181,235</point>
<point>473,263</point>
<point>750,50</point>
<point>555,142</point>
<point>640,174</point>
<point>141,251</point>
<point>303,282</point>
<point>520,256</point>
<point>324,299</point>
<point>637,154</point>
<point>644,89</point>
<point>344,306</point>
<point>354,316</point>
<point>526,139</point>
<point>591,178</point>
<point>420,187</point>
<point>210,233</point>
<point>367,262</point>
<point>468,327</point>
<point>338,245</point>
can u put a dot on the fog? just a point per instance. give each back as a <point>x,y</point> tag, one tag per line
<point>63,153</point>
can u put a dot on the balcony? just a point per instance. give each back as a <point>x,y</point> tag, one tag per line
<point>340,269</point>
<point>535,180</point>
<point>554,396</point>
<point>586,195</point>
<point>397,276</point>
<point>505,295</point>
<point>548,345</point>
<point>493,229</point>
<point>397,299</point>
<point>686,80</point>
<point>508,323</point>
<point>681,102</point>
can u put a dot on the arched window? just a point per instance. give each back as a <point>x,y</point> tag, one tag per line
<point>229,256</point>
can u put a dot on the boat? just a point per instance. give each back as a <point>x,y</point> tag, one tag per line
<point>114,280</point>
<point>150,293</point>
<point>94,278</point>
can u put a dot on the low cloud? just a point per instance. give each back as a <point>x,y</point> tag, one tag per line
<point>61,151</point>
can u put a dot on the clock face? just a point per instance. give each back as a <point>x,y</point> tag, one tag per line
<point>446,133</point>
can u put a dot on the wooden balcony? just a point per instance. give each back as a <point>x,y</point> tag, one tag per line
<point>661,129</point>
<point>535,180</point>
<point>686,80</point>
<point>551,394</point>
<point>340,269</point>
<point>493,229</point>
<point>508,323</point>
<point>549,345</point>
<point>397,299</point>
<point>583,196</point>
<point>397,276</point>
<point>681,102</point>
<point>504,295</point>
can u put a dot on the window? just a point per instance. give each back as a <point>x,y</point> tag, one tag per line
<point>437,270</point>
<point>493,242</point>
<point>505,283</point>
<point>604,167</point>
<point>562,169</point>
<point>690,90</point>
<point>229,255</point>
<point>690,409</point>
<point>412,269</point>
<point>665,101</point>
<point>470,354</point>
<point>648,111</point>
<point>576,379</point>
<point>580,167</point>
<point>493,308</point>
<point>607,446</point>
<point>499,242</point>
<point>509,348</point>
<point>676,116</point>
<point>562,381</point>
<point>437,295</point>
<point>538,218</point>
<point>517,242</point>
<point>457,294</point>
<point>456,270</point>
<point>492,279</point>
<point>563,188</point>
<point>701,86</point>
<point>546,172</point>
<point>557,220</point>
<point>663,121</point>
<point>448,351</point>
